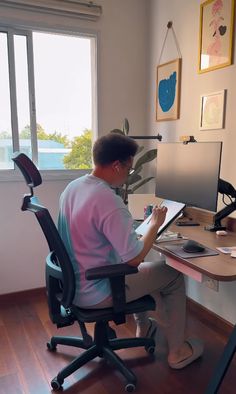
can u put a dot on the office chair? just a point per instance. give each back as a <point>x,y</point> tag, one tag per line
<point>60,286</point>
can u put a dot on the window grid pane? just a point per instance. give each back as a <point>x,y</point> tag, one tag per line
<point>62,68</point>
<point>5,108</point>
<point>22,94</point>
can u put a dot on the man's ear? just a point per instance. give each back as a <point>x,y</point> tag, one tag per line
<point>116,165</point>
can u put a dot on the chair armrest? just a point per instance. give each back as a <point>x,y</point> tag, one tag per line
<point>116,274</point>
<point>110,271</point>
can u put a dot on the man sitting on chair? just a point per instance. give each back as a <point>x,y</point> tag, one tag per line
<point>97,229</point>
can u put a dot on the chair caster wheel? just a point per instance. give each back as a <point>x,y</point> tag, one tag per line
<point>130,387</point>
<point>51,347</point>
<point>56,385</point>
<point>150,349</point>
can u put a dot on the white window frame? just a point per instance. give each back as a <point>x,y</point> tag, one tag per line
<point>13,174</point>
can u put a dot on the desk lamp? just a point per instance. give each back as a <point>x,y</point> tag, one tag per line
<point>227,189</point>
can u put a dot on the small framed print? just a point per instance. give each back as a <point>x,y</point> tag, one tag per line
<point>168,90</point>
<point>212,110</point>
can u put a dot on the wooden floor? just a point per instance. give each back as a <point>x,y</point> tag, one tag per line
<point>26,366</point>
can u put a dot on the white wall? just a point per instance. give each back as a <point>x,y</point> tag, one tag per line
<point>23,248</point>
<point>122,71</point>
<point>185,16</point>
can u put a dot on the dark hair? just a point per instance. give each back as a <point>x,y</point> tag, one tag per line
<point>113,146</point>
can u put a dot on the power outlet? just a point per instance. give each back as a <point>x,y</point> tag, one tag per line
<point>212,284</point>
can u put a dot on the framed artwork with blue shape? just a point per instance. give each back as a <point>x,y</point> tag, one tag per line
<point>168,90</point>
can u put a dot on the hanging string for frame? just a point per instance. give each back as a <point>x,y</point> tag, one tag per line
<point>169,27</point>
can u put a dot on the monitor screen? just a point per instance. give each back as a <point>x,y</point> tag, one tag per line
<point>189,173</point>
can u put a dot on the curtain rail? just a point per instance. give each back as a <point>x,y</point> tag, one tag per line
<point>82,10</point>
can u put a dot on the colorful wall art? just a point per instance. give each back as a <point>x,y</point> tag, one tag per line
<point>216,34</point>
<point>168,90</point>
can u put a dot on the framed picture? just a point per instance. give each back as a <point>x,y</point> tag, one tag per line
<point>216,34</point>
<point>212,110</point>
<point>168,90</point>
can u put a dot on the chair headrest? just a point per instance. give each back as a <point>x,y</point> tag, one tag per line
<point>28,169</point>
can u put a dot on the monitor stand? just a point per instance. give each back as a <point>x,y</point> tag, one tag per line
<point>214,227</point>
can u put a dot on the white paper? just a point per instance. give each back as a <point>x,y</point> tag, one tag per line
<point>226,249</point>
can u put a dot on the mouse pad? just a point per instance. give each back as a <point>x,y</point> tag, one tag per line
<point>178,250</point>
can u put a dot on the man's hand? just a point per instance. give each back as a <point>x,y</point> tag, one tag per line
<point>158,216</point>
<point>157,219</point>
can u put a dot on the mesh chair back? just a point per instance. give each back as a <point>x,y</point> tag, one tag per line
<point>66,281</point>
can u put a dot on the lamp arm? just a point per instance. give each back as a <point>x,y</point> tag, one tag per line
<point>146,137</point>
<point>224,187</point>
<point>223,213</point>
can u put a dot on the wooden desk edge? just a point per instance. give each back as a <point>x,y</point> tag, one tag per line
<point>223,278</point>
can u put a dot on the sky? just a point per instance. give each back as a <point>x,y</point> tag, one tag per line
<point>62,68</point>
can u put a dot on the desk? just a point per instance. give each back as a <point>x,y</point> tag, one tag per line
<point>221,267</point>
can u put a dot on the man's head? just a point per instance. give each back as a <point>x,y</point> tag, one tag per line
<point>113,155</point>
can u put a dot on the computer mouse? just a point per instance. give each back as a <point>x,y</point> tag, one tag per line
<point>192,246</point>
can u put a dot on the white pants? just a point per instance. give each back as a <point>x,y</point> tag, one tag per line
<point>169,285</point>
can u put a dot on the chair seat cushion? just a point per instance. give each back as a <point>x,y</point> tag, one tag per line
<point>146,303</point>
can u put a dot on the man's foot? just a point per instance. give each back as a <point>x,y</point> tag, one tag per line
<point>191,351</point>
<point>147,330</point>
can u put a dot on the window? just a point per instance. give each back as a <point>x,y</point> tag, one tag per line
<point>46,98</point>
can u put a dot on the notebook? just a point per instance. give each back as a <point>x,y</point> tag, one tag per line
<point>174,210</point>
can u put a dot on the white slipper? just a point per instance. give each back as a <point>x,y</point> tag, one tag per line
<point>197,351</point>
<point>151,332</point>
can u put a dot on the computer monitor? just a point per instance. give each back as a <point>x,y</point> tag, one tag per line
<point>189,173</point>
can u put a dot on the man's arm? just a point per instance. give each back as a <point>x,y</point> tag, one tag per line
<point>157,219</point>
